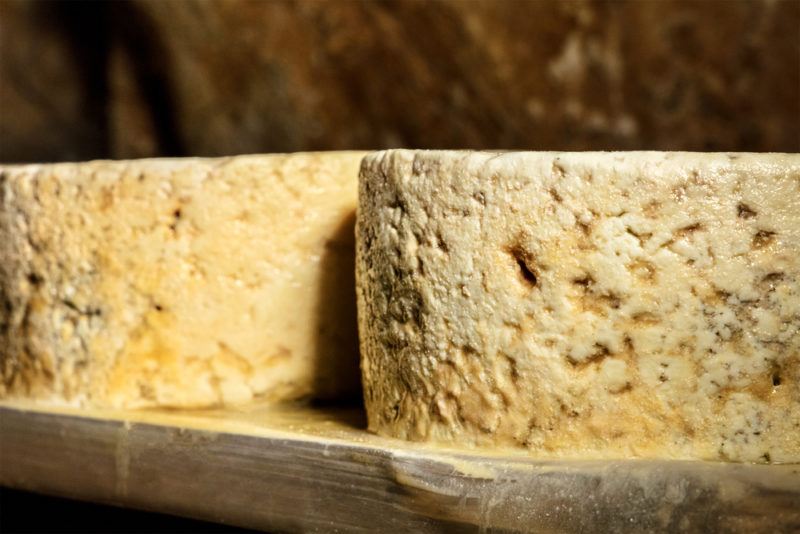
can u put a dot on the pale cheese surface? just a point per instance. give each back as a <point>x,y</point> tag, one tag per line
<point>179,282</point>
<point>583,304</point>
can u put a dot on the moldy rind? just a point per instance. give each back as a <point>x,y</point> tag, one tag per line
<point>583,304</point>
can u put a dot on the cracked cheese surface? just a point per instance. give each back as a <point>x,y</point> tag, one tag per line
<point>182,282</point>
<point>583,304</point>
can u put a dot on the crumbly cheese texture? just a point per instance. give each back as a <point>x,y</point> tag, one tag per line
<point>179,282</point>
<point>584,305</point>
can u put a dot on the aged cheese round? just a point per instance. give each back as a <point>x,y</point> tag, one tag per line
<point>179,282</point>
<point>584,305</point>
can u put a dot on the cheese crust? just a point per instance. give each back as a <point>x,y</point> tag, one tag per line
<point>179,282</point>
<point>584,305</point>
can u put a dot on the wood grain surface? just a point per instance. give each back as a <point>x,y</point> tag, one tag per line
<point>314,469</point>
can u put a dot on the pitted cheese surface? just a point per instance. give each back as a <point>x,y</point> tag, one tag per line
<point>583,304</point>
<point>179,282</point>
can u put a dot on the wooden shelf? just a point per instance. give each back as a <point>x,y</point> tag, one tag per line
<point>300,468</point>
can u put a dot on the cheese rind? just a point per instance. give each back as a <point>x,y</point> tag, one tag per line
<point>179,282</point>
<point>602,305</point>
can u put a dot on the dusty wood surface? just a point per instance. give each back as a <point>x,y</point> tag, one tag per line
<point>308,469</point>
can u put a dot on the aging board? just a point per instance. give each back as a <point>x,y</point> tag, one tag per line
<point>302,468</point>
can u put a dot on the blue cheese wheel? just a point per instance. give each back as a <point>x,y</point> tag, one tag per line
<point>583,305</point>
<point>179,282</point>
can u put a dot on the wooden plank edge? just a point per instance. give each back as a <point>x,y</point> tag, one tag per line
<point>289,483</point>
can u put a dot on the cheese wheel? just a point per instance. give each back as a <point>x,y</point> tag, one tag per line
<point>179,282</point>
<point>583,305</point>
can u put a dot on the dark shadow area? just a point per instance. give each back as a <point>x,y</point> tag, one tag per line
<point>53,84</point>
<point>337,326</point>
<point>85,28</point>
<point>136,33</point>
<point>25,512</point>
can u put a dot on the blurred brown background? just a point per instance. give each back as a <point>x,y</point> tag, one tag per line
<point>85,80</point>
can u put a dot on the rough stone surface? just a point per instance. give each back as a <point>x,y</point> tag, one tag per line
<point>200,78</point>
<point>583,304</point>
<point>179,282</point>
